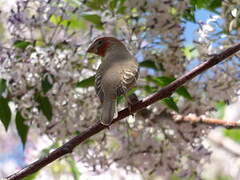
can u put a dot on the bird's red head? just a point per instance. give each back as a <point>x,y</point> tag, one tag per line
<point>100,45</point>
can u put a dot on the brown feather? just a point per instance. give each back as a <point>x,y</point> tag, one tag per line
<point>117,73</point>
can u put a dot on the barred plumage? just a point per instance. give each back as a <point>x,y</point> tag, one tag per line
<point>98,84</point>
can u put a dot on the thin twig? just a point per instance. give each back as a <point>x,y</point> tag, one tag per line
<point>192,118</point>
<point>163,93</point>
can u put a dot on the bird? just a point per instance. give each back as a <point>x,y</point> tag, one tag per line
<point>115,76</point>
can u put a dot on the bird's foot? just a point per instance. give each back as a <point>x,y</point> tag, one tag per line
<point>131,101</point>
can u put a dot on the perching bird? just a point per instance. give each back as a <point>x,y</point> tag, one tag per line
<point>116,74</point>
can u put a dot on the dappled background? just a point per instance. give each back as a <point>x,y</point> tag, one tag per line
<point>46,85</point>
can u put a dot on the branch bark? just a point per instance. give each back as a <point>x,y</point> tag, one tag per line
<point>193,118</point>
<point>162,93</point>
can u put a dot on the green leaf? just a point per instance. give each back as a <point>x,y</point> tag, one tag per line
<point>190,52</point>
<point>182,91</point>
<point>189,14</point>
<point>96,4</point>
<point>31,176</point>
<point>150,89</point>
<point>131,91</point>
<point>86,82</point>
<point>113,4</point>
<point>74,22</point>
<point>160,81</point>
<point>206,4</point>
<point>122,2</point>
<point>39,42</point>
<point>47,150</point>
<point>62,45</point>
<point>214,4</point>
<point>94,19</point>
<point>199,3</point>
<point>233,134</point>
<point>169,102</point>
<point>121,9</point>
<point>21,44</point>
<point>5,112</point>
<point>73,167</point>
<point>44,105</point>
<point>46,84</point>
<point>119,5</point>
<point>55,19</point>
<point>152,65</point>
<point>3,85</point>
<point>164,81</point>
<point>22,128</point>
<point>220,107</point>
<point>89,142</point>
<point>173,11</point>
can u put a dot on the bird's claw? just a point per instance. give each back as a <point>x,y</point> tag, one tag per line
<point>131,100</point>
<point>130,109</point>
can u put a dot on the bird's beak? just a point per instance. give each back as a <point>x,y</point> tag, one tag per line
<point>90,50</point>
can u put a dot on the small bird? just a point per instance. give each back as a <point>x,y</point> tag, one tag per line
<point>116,74</point>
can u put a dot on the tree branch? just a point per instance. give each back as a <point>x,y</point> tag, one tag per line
<point>163,93</point>
<point>192,118</point>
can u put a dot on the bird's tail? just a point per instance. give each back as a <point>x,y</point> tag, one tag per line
<point>109,107</point>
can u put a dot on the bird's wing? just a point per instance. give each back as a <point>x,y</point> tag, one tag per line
<point>129,77</point>
<point>98,83</point>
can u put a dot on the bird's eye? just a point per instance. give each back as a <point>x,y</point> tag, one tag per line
<point>99,43</point>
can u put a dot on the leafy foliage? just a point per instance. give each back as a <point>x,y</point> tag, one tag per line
<point>207,4</point>
<point>96,4</point>
<point>73,168</point>
<point>46,150</point>
<point>73,22</point>
<point>95,19</point>
<point>3,85</point>
<point>22,128</point>
<point>233,134</point>
<point>169,102</point>
<point>164,81</point>
<point>152,65</point>
<point>5,112</point>
<point>189,14</point>
<point>86,82</point>
<point>21,44</point>
<point>32,176</point>
<point>113,5</point>
<point>46,83</point>
<point>44,105</point>
<point>190,52</point>
<point>220,106</point>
